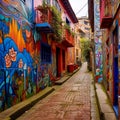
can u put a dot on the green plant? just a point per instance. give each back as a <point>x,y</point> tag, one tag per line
<point>73,33</point>
<point>85,49</point>
<point>44,4</point>
<point>44,7</point>
<point>66,26</point>
<point>56,23</point>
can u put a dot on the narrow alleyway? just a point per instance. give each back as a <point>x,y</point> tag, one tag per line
<point>74,100</point>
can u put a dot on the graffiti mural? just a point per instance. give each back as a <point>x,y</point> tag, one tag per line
<point>119,52</point>
<point>21,72</point>
<point>98,42</point>
<point>18,10</point>
<point>16,62</point>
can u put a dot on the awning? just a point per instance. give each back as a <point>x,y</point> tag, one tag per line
<point>44,27</point>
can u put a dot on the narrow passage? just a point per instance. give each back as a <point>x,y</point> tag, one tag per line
<point>72,101</point>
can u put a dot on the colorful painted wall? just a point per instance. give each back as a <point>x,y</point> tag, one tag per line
<point>117,23</point>
<point>119,66</point>
<point>98,42</point>
<point>21,72</point>
<point>112,60</point>
<point>114,63</point>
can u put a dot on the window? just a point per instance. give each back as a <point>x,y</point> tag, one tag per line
<point>55,3</point>
<point>87,28</point>
<point>86,22</point>
<point>45,53</point>
<point>47,2</point>
<point>67,22</point>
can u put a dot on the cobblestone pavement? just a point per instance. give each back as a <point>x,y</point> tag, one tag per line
<point>71,101</point>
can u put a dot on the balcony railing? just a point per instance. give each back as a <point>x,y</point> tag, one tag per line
<point>43,19</point>
<point>43,15</point>
<point>68,39</point>
<point>106,18</point>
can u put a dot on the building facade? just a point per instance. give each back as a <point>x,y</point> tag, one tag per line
<point>84,25</point>
<point>36,46</point>
<point>110,25</point>
<point>77,45</point>
<point>110,28</point>
<point>82,30</point>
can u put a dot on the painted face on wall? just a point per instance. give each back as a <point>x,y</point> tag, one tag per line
<point>20,65</point>
<point>12,54</point>
<point>8,60</point>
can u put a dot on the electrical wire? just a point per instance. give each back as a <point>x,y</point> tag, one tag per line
<point>81,9</point>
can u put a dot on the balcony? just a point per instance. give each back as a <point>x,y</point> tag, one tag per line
<point>106,18</point>
<point>43,19</point>
<point>68,39</point>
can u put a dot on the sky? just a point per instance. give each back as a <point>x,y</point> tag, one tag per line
<point>80,7</point>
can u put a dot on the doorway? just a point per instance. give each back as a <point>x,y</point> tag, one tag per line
<point>58,62</point>
<point>63,59</point>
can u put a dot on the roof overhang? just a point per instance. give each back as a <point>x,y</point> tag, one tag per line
<point>69,10</point>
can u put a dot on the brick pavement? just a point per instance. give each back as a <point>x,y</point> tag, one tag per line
<point>72,101</point>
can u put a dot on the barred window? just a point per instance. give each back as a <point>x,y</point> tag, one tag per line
<point>45,53</point>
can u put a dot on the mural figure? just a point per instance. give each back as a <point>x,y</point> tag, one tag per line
<point>98,43</point>
<point>21,72</point>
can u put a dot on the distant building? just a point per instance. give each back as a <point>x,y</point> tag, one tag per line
<point>82,30</point>
<point>77,46</point>
<point>84,27</point>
